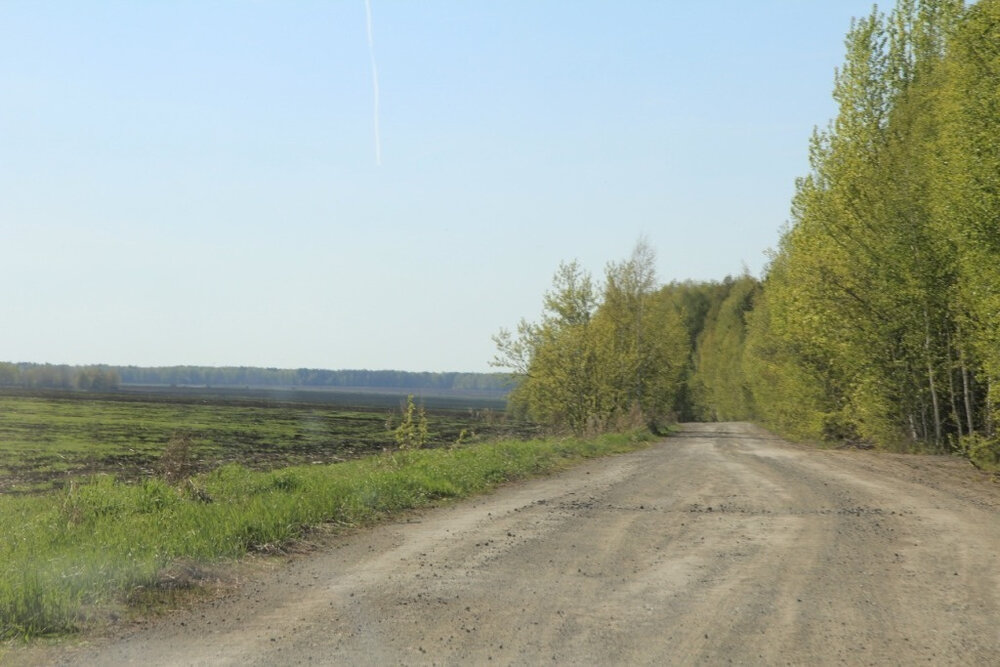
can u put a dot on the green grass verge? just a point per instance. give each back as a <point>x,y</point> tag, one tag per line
<point>50,441</point>
<point>73,555</point>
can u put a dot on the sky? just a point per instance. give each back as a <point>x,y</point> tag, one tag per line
<point>207,182</point>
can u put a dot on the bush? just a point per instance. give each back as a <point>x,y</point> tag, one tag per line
<point>412,432</point>
<point>177,460</point>
<point>984,453</point>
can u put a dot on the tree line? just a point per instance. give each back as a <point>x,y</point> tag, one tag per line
<point>106,378</point>
<point>880,314</point>
<point>58,376</point>
<point>628,351</point>
<point>878,317</point>
<point>313,377</point>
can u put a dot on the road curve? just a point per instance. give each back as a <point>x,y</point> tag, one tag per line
<point>721,544</point>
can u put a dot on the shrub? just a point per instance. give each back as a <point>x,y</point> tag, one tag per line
<point>412,432</point>
<point>982,452</point>
<point>177,460</point>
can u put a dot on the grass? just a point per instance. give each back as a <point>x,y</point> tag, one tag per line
<point>48,441</point>
<point>72,556</point>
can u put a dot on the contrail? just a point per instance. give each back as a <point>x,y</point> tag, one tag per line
<point>371,53</point>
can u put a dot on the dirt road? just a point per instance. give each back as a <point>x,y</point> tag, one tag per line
<point>722,544</point>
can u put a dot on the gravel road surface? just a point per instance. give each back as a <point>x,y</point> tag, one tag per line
<point>723,544</point>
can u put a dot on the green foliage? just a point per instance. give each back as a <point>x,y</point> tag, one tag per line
<point>720,387</point>
<point>878,314</point>
<point>555,360</point>
<point>983,452</point>
<point>594,361</point>
<point>77,554</point>
<point>695,303</point>
<point>966,193</point>
<point>412,431</point>
<point>789,389</point>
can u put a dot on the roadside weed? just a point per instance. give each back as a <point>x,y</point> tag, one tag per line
<point>74,555</point>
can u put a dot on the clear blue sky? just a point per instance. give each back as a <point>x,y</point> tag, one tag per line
<point>195,182</point>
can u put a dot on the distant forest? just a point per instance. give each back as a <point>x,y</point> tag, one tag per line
<point>109,378</point>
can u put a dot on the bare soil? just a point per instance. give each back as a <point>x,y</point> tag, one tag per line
<point>723,544</point>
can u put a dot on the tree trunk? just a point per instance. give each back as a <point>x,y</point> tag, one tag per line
<point>930,380</point>
<point>935,407</point>
<point>923,420</point>
<point>967,390</point>
<point>951,391</point>
<point>989,407</point>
